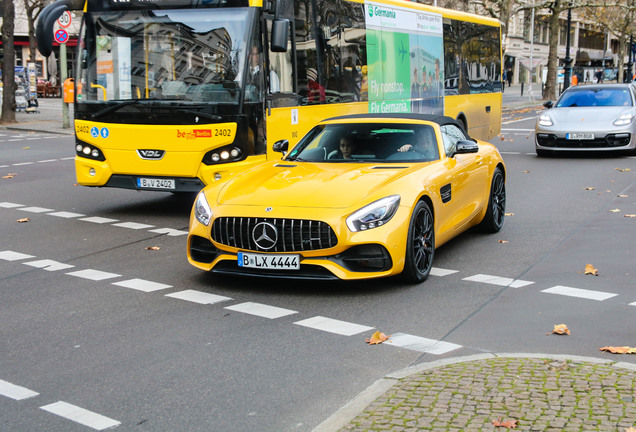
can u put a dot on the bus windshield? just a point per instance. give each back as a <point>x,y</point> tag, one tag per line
<point>170,54</point>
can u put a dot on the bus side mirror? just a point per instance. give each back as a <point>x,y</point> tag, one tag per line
<point>46,21</point>
<point>280,35</point>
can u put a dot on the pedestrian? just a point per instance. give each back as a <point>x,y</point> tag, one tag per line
<point>509,76</point>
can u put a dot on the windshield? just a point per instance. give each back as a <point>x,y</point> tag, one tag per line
<point>582,97</point>
<point>192,55</point>
<point>367,142</point>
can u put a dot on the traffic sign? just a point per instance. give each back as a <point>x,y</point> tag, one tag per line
<point>64,21</point>
<point>61,36</point>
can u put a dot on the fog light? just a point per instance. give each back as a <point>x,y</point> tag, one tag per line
<point>86,150</point>
<point>217,176</point>
<point>225,155</point>
<point>92,172</point>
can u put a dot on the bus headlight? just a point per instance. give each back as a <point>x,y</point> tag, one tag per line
<point>202,211</point>
<point>89,151</point>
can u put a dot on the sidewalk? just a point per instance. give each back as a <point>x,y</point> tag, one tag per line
<point>529,392</point>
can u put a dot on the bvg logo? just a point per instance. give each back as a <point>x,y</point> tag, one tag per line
<point>151,154</point>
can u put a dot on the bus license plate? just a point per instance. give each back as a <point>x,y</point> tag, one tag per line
<point>152,183</point>
<point>270,262</point>
<point>579,136</point>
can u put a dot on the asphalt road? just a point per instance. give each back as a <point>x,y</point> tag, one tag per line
<point>98,331</point>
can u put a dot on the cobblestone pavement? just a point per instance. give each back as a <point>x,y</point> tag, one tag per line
<point>540,394</point>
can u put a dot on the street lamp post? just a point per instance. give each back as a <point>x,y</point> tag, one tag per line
<point>567,60</point>
<point>630,59</point>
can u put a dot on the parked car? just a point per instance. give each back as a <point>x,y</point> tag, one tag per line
<point>410,184</point>
<point>599,117</point>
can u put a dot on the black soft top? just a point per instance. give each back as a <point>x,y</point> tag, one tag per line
<point>439,119</point>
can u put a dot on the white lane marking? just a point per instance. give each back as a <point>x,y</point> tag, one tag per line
<point>417,343</point>
<point>49,265</point>
<point>80,415</point>
<point>633,304</point>
<point>10,205</point>
<point>171,232</point>
<point>65,214</point>
<point>261,310</point>
<point>142,285</point>
<point>22,163</point>
<point>15,392</point>
<point>99,220</point>
<point>48,160</point>
<point>436,271</point>
<point>95,275</point>
<point>510,153</point>
<point>333,326</point>
<point>13,256</point>
<point>581,293</point>
<point>132,225</point>
<point>198,297</point>
<point>517,130</point>
<point>35,209</point>
<point>66,158</point>
<point>496,280</point>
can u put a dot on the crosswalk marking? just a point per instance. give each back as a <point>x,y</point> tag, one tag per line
<point>169,231</point>
<point>95,275</point>
<point>99,220</point>
<point>80,415</point>
<point>132,225</point>
<point>261,310</point>
<point>417,343</point>
<point>49,265</point>
<point>65,214</point>
<point>581,293</point>
<point>35,209</point>
<point>10,205</point>
<point>13,256</point>
<point>142,285</point>
<point>435,271</point>
<point>333,326</point>
<point>15,392</point>
<point>198,297</point>
<point>497,280</point>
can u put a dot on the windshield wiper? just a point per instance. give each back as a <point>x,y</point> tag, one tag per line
<point>112,108</point>
<point>201,114</point>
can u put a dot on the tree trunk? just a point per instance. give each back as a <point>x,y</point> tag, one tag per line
<point>549,90</point>
<point>621,53</point>
<point>8,64</point>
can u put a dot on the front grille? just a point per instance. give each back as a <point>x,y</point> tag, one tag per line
<point>612,140</point>
<point>292,235</point>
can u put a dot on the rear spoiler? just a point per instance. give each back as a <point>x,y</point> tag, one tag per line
<point>46,21</point>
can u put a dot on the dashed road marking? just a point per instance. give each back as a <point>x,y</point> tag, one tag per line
<point>15,392</point>
<point>13,256</point>
<point>333,326</point>
<point>49,265</point>
<point>48,160</point>
<point>581,293</point>
<point>65,214</point>
<point>95,275</point>
<point>22,163</point>
<point>142,285</point>
<point>169,231</point>
<point>99,220</point>
<point>10,205</point>
<point>198,297</point>
<point>133,225</point>
<point>261,310</point>
<point>35,209</point>
<point>496,280</point>
<point>417,343</point>
<point>81,415</point>
<point>436,271</point>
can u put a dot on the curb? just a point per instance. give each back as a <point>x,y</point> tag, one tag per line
<point>351,409</point>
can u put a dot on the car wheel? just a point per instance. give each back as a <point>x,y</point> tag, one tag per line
<point>420,245</point>
<point>494,218</point>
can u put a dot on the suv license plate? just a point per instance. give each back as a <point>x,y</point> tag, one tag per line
<point>269,261</point>
<point>579,136</point>
<point>152,183</point>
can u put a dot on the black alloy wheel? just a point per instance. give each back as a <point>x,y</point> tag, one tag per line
<point>496,213</point>
<point>420,246</point>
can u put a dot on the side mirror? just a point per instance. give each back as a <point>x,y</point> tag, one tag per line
<point>548,104</point>
<point>280,35</point>
<point>281,146</point>
<point>466,146</point>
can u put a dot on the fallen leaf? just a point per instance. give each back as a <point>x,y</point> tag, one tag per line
<point>615,211</point>
<point>7,177</point>
<point>510,424</point>
<point>622,196</point>
<point>154,248</point>
<point>619,350</point>
<point>623,169</point>
<point>590,188</point>
<point>560,329</point>
<point>509,214</point>
<point>589,269</point>
<point>26,148</point>
<point>377,338</point>
<point>502,241</point>
<point>631,215</point>
<point>23,220</point>
<point>526,171</point>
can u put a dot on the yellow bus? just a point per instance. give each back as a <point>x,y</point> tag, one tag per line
<point>175,94</point>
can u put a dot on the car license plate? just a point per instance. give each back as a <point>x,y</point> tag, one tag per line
<point>579,136</point>
<point>153,183</point>
<point>269,261</point>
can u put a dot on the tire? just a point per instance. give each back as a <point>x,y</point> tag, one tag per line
<point>495,215</point>
<point>420,245</point>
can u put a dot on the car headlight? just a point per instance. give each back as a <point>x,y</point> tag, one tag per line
<point>374,215</point>
<point>624,119</point>
<point>202,210</point>
<point>545,120</point>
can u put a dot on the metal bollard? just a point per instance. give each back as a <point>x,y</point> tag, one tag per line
<point>522,89</point>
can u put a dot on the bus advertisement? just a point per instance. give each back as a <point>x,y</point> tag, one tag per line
<point>172,95</point>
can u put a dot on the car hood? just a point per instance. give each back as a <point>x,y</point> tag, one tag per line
<point>310,185</point>
<point>588,118</point>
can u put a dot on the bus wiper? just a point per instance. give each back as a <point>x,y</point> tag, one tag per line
<point>112,108</point>
<point>201,114</point>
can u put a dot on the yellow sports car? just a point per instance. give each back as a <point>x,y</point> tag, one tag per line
<point>359,196</point>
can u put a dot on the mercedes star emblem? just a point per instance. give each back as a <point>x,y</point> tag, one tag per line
<point>265,235</point>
